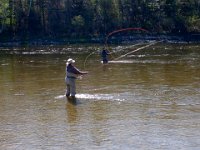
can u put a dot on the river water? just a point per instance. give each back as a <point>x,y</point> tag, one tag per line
<point>147,100</point>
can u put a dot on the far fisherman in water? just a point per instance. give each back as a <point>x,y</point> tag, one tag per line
<point>104,54</point>
<point>71,75</point>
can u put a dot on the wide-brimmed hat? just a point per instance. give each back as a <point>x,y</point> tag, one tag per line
<point>70,61</point>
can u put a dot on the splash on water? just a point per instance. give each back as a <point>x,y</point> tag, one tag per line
<point>19,94</point>
<point>6,64</point>
<point>94,97</point>
<point>142,62</point>
<point>60,97</point>
<point>121,61</point>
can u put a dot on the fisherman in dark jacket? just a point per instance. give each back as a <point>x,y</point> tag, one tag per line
<point>71,75</point>
<point>104,55</point>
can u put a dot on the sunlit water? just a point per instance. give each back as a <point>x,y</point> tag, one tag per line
<point>146,100</point>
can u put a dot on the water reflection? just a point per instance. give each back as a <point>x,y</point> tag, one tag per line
<point>72,113</point>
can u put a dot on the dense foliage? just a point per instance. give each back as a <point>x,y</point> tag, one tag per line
<point>96,17</point>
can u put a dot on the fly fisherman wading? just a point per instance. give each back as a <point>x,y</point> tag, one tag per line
<point>71,75</point>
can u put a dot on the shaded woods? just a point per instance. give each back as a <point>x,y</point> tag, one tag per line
<point>94,18</point>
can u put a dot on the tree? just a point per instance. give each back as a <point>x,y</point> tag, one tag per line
<point>78,22</point>
<point>97,17</point>
<point>4,14</point>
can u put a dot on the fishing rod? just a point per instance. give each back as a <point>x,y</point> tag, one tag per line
<point>121,49</point>
<point>138,49</point>
<point>123,30</point>
<point>110,34</point>
<point>85,61</point>
<point>128,48</point>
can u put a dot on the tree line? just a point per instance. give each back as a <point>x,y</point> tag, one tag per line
<point>89,18</point>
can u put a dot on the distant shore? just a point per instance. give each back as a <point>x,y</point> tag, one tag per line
<point>17,42</point>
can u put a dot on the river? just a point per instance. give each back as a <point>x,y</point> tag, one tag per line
<point>147,100</point>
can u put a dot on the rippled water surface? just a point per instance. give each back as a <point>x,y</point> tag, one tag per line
<point>147,100</point>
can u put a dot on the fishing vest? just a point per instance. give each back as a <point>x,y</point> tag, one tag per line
<point>69,72</point>
<point>71,75</point>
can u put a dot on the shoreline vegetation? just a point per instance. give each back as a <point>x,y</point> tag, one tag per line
<point>45,22</point>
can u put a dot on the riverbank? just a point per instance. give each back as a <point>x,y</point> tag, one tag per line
<point>40,41</point>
